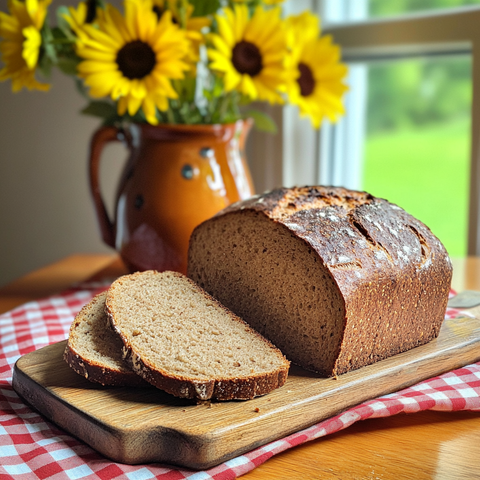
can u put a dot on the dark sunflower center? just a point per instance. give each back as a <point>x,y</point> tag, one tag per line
<point>246,58</point>
<point>306,80</point>
<point>136,59</point>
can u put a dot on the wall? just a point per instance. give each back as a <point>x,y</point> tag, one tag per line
<point>45,207</point>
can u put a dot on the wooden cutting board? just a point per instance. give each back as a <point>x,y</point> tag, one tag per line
<point>145,425</point>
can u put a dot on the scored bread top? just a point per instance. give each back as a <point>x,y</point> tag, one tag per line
<point>185,342</point>
<point>94,350</point>
<point>347,226</point>
<point>354,233</point>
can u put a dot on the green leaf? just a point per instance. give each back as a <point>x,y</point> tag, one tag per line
<point>202,8</point>
<point>100,109</point>
<point>45,66</point>
<point>67,65</point>
<point>58,35</point>
<point>63,25</point>
<point>262,121</point>
<point>48,47</point>
<point>51,53</point>
<point>81,89</point>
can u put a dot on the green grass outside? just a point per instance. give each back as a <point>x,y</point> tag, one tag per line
<point>425,171</point>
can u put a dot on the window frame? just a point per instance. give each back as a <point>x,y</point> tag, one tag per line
<point>300,155</point>
<point>440,32</point>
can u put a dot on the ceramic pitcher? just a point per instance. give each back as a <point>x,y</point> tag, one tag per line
<point>175,177</point>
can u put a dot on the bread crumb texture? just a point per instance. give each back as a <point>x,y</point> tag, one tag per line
<point>184,341</point>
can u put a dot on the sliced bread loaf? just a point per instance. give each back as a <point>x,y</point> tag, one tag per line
<point>337,279</point>
<point>94,350</point>
<point>183,341</point>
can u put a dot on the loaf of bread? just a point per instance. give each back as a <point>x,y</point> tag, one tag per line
<point>336,279</point>
<point>94,350</point>
<point>180,339</point>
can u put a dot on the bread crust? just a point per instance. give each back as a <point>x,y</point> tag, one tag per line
<point>92,370</point>
<point>218,388</point>
<point>98,373</point>
<point>392,273</point>
<point>240,388</point>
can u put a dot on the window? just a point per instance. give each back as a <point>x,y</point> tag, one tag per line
<point>417,138</point>
<point>436,44</point>
<point>382,8</point>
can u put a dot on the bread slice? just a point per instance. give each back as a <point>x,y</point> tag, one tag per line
<point>94,350</point>
<point>337,279</point>
<point>183,341</point>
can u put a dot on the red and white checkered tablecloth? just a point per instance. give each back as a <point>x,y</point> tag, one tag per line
<point>31,447</point>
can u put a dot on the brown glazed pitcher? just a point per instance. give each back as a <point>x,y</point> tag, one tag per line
<point>176,176</point>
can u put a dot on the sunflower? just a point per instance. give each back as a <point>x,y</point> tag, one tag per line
<point>302,28</point>
<point>316,75</point>
<point>193,25</point>
<point>250,52</point>
<point>133,58</point>
<point>20,48</point>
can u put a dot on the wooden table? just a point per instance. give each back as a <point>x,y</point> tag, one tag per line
<point>425,445</point>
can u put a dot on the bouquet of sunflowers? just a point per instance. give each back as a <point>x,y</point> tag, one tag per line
<point>176,61</point>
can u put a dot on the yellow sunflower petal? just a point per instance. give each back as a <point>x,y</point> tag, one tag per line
<point>219,63</point>
<point>9,27</point>
<point>92,66</point>
<point>247,87</point>
<point>114,19</point>
<point>148,107</point>
<point>231,80</point>
<point>32,8</point>
<point>162,103</point>
<point>221,45</point>
<point>102,83</point>
<point>130,19</point>
<point>122,106</point>
<point>198,23</point>
<point>159,82</point>
<point>100,39</point>
<point>113,29</point>
<point>241,21</point>
<point>271,95</point>
<point>94,54</point>
<point>225,31</point>
<point>146,23</point>
<point>133,104</point>
<point>302,28</point>
<point>121,88</point>
<point>31,46</point>
<point>138,89</point>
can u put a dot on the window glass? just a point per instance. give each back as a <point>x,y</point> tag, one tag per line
<point>417,141</point>
<point>381,8</point>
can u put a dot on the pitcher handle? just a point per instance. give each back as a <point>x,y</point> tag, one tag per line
<point>100,138</point>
